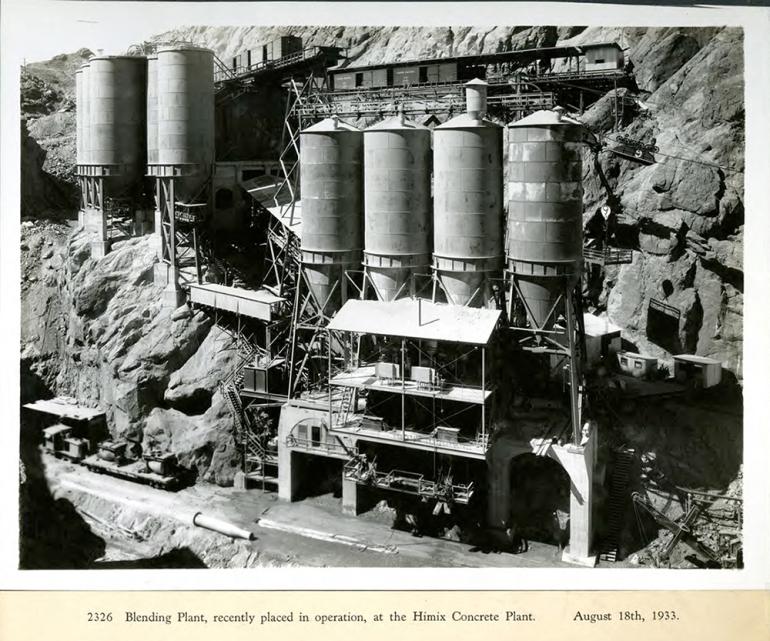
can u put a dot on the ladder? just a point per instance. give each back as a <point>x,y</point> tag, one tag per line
<point>346,404</point>
<point>618,500</point>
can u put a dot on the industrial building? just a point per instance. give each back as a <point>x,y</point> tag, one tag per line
<point>419,329</point>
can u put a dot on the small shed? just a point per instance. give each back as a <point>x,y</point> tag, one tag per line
<point>602,339</point>
<point>637,365</point>
<point>702,371</point>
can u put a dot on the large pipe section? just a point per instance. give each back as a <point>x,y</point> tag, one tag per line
<point>545,229</point>
<point>332,207</point>
<point>220,525</point>
<point>185,117</point>
<point>397,227</point>
<point>468,202</point>
<point>116,129</point>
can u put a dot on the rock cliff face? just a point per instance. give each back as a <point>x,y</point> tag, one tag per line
<point>96,329</point>
<point>105,339</point>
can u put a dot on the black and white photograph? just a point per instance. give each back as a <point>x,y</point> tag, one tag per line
<point>397,296</point>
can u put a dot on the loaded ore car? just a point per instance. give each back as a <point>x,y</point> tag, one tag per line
<point>156,469</point>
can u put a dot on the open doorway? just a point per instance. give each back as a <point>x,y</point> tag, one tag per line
<point>540,499</point>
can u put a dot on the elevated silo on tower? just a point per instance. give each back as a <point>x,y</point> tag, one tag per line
<point>331,164</point>
<point>184,133</point>
<point>468,202</point>
<point>112,141</point>
<point>397,229</point>
<point>545,205</point>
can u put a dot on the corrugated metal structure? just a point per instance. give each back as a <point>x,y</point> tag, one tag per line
<point>397,227</point>
<point>152,110</point>
<point>468,202</point>
<point>331,180</point>
<point>185,76</point>
<point>79,106</point>
<point>116,138</point>
<point>545,227</point>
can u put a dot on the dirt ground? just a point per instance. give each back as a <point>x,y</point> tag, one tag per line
<point>146,527</point>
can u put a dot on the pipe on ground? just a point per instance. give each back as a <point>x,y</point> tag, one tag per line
<point>221,526</point>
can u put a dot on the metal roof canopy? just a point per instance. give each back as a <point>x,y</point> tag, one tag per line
<point>247,302</point>
<point>417,318</point>
<point>693,358</point>
<point>64,409</point>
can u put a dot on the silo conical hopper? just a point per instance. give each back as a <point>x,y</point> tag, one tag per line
<point>545,205</point>
<point>331,163</point>
<point>397,227</point>
<point>468,201</point>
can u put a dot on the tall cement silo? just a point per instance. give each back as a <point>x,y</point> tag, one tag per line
<point>545,204</point>
<point>468,202</point>
<point>116,131</point>
<point>397,227</point>
<point>331,163</point>
<point>185,117</point>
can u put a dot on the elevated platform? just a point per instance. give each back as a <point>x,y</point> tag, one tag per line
<point>411,439</point>
<point>304,61</point>
<point>419,319</point>
<point>260,304</point>
<point>364,378</point>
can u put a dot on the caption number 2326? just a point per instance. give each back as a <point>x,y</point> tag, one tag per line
<point>99,617</point>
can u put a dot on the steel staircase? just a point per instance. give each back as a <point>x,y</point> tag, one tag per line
<point>618,501</point>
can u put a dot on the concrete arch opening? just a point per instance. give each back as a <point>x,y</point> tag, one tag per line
<point>540,499</point>
<point>224,199</point>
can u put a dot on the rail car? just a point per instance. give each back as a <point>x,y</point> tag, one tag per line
<point>400,75</point>
<point>77,434</point>
<point>154,468</point>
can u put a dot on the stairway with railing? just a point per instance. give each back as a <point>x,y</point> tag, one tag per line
<point>617,504</point>
<point>259,460</point>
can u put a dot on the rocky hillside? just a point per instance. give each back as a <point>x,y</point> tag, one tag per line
<point>95,329</point>
<point>48,185</point>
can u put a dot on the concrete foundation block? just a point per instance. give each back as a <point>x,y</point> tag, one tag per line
<point>240,480</point>
<point>173,297</point>
<point>350,503</point>
<point>160,274</point>
<point>585,561</point>
<point>99,249</point>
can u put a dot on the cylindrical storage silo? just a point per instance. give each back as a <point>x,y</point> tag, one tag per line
<point>467,206</point>
<point>185,81</point>
<point>79,116</point>
<point>545,205</point>
<point>117,119</point>
<point>397,218</point>
<point>84,114</point>
<point>152,110</point>
<point>331,162</point>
